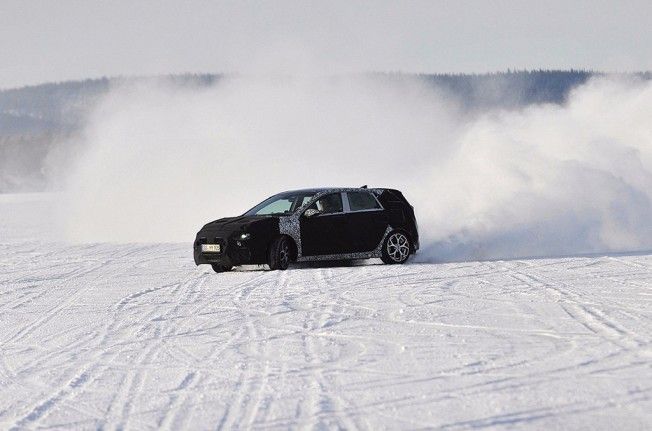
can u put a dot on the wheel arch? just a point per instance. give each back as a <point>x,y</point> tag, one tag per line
<point>293,245</point>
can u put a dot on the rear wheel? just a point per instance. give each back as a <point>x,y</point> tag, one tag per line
<point>221,268</point>
<point>396,248</point>
<point>279,253</point>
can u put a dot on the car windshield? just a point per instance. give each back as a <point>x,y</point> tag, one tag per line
<point>284,203</point>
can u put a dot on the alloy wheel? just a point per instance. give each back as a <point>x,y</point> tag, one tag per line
<point>398,247</point>
<point>284,254</point>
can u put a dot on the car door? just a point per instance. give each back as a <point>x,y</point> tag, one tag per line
<point>326,232</point>
<point>367,221</point>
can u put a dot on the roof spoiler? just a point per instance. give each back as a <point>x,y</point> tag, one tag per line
<point>364,187</point>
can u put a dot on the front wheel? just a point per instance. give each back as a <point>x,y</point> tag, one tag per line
<point>396,248</point>
<point>221,268</point>
<point>279,254</point>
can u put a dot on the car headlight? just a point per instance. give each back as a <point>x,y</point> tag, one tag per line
<point>244,236</point>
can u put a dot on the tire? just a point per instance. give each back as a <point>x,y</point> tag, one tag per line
<point>279,254</point>
<point>221,268</point>
<point>396,247</point>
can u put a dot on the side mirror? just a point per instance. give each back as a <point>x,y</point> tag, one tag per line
<point>311,212</point>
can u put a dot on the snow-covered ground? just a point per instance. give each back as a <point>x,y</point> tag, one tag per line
<point>136,336</point>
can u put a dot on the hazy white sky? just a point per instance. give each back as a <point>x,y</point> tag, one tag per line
<point>72,39</point>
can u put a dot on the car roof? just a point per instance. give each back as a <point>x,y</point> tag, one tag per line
<point>322,190</point>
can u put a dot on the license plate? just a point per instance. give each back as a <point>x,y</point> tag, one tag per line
<point>210,248</point>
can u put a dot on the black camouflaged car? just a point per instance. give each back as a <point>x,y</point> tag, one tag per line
<point>312,224</point>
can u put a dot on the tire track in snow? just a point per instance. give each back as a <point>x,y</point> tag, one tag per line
<point>38,411</point>
<point>592,318</point>
<point>137,373</point>
<point>52,313</point>
<point>262,353</point>
<point>325,407</point>
<point>246,402</point>
<point>99,351</point>
<point>42,408</point>
<point>233,413</point>
<point>174,416</point>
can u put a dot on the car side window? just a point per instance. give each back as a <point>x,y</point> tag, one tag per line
<point>329,204</point>
<point>360,201</point>
<point>300,201</point>
<point>304,201</point>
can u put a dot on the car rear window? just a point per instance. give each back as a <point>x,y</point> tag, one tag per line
<point>360,201</point>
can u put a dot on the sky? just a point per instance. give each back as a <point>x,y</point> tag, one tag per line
<point>43,41</point>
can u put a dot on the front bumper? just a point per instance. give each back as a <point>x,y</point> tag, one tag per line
<point>231,253</point>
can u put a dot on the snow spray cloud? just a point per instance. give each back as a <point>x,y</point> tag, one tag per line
<point>548,180</point>
<point>161,160</point>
